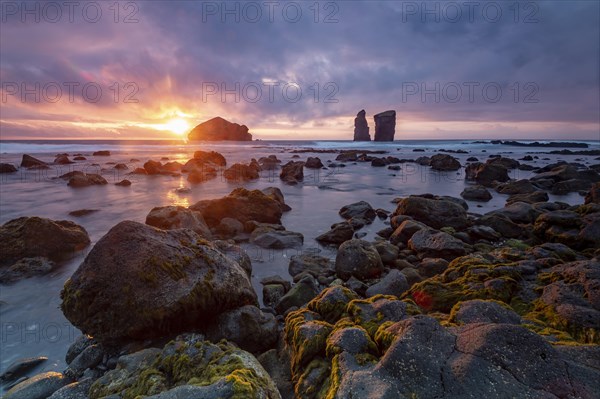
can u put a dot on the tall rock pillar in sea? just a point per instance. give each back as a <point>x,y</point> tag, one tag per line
<point>361,127</point>
<point>385,126</point>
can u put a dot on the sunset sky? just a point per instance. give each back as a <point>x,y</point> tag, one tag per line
<point>171,60</point>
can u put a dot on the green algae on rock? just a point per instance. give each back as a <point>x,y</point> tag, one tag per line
<point>190,364</point>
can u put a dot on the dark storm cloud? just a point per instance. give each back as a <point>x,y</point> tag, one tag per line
<point>372,54</point>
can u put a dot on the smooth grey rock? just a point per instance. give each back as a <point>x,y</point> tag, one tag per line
<point>394,283</point>
<point>37,387</point>
<point>358,258</point>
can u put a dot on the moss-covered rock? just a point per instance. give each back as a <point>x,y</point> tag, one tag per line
<point>189,364</point>
<point>469,277</point>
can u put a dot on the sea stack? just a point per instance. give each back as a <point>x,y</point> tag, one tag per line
<point>385,126</point>
<point>219,129</point>
<point>361,127</point>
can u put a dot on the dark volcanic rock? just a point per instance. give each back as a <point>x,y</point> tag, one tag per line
<point>436,244</point>
<point>219,129</point>
<point>178,217</point>
<point>530,198</point>
<point>30,237</point>
<point>40,386</point>
<point>21,367</point>
<point>593,197</point>
<point>62,159</point>
<point>339,233</point>
<point>476,193</point>
<point>313,163</point>
<point>7,168</point>
<point>394,283</point>
<point>480,311</point>
<point>444,162</point>
<point>486,174</point>
<point>241,204</point>
<point>516,187</point>
<point>241,172</point>
<point>358,258</point>
<point>82,212</point>
<point>85,180</point>
<point>436,213</point>
<point>210,157</point>
<point>276,239</point>
<point>361,127</point>
<point>292,172</point>
<point>361,209</point>
<point>309,263</point>
<point>165,282</point>
<point>25,268</point>
<point>102,153</point>
<point>29,162</point>
<point>385,126</point>
<point>153,167</point>
<point>248,327</point>
<point>123,183</point>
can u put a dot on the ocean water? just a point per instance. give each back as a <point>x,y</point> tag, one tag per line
<point>30,318</point>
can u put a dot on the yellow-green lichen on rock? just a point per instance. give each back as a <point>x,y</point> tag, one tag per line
<point>189,361</point>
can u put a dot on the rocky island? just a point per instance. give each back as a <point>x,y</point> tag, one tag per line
<point>219,129</point>
<point>385,126</point>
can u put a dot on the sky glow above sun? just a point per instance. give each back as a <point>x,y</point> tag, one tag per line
<point>160,68</point>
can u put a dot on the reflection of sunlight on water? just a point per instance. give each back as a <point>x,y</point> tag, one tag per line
<point>175,198</point>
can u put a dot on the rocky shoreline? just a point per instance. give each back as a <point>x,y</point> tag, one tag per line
<point>443,303</point>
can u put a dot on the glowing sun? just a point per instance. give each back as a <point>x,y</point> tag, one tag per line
<point>178,126</point>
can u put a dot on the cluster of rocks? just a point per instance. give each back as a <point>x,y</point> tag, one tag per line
<point>442,303</point>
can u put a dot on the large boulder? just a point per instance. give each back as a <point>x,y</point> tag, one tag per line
<point>241,204</point>
<point>361,127</point>
<point>178,217</point>
<point>358,258</point>
<point>486,174</point>
<point>140,282</point>
<point>385,126</point>
<point>292,172</point>
<point>30,237</point>
<point>434,212</point>
<point>219,129</point>
<point>444,162</point>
